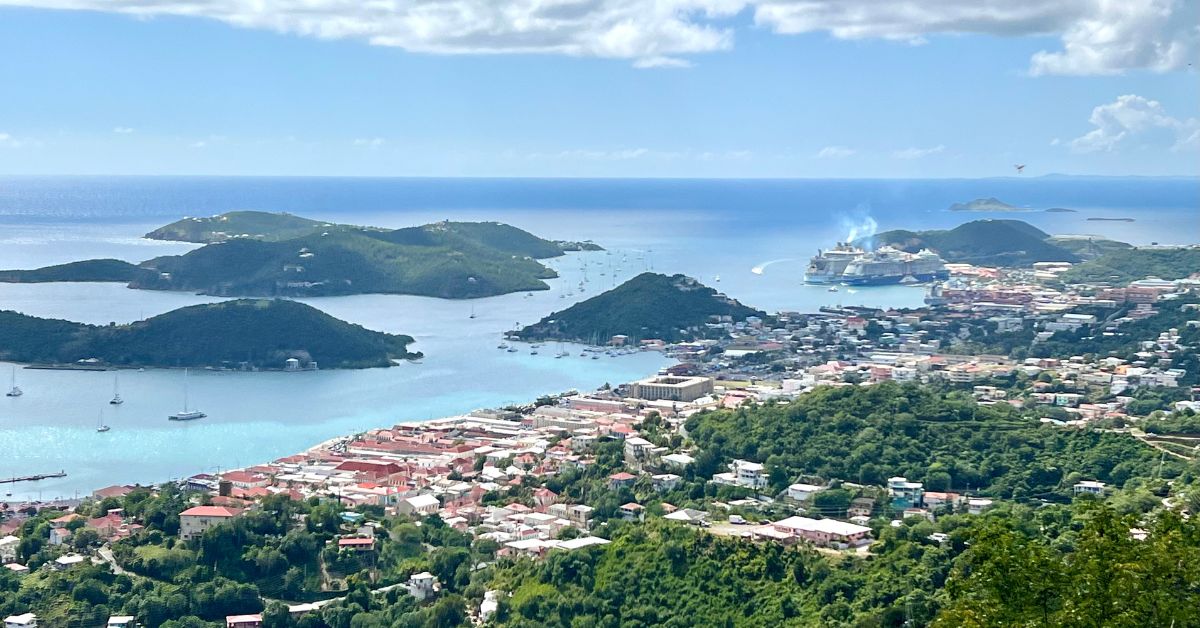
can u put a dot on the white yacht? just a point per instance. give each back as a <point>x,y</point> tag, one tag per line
<point>101,427</point>
<point>15,391</point>
<point>186,415</point>
<point>116,400</point>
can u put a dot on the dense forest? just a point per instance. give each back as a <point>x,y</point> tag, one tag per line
<point>95,270</point>
<point>947,440</point>
<point>257,333</point>
<point>650,305</point>
<point>983,242</point>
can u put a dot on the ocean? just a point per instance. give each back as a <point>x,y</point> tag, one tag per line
<point>748,238</point>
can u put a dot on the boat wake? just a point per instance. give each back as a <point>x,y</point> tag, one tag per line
<point>758,270</point>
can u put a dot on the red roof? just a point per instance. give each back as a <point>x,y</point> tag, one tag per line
<point>209,511</point>
<point>355,542</point>
<point>622,476</point>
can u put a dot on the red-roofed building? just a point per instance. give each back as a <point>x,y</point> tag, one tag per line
<point>618,480</point>
<point>357,543</point>
<point>112,491</point>
<point>244,479</point>
<point>194,521</point>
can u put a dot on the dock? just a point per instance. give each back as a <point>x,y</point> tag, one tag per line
<point>33,478</point>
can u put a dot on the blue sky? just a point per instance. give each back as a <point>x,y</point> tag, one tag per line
<point>765,92</point>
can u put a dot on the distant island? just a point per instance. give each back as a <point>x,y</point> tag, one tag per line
<point>983,242</point>
<point>986,205</point>
<point>246,333</point>
<point>266,254</point>
<point>650,305</point>
<point>1098,219</point>
<point>1060,210</point>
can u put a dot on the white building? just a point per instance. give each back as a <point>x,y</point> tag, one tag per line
<point>1090,487</point>
<point>8,549</point>
<point>26,620</point>
<point>422,585</point>
<point>194,521</point>
<point>803,492</point>
<point>419,505</point>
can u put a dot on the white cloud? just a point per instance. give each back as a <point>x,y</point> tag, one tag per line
<point>8,141</point>
<point>199,144</point>
<point>917,152</point>
<point>1132,118</point>
<point>370,142</point>
<point>1098,36</point>
<point>835,152</point>
<point>122,130</point>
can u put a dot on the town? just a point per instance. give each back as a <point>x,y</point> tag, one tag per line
<point>517,478</point>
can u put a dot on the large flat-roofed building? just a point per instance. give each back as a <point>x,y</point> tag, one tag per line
<point>672,388</point>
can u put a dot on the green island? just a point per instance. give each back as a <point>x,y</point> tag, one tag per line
<point>265,254</point>
<point>259,334</point>
<point>983,242</point>
<point>650,305</point>
<point>989,204</point>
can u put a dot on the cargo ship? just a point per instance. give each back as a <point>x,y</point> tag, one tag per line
<point>888,265</point>
<point>827,266</point>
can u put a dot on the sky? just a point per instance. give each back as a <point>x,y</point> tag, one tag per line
<point>600,88</point>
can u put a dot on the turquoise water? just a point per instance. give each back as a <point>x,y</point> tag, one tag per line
<point>702,228</point>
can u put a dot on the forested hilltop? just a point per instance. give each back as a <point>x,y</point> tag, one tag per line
<point>263,254</point>
<point>234,334</point>
<point>650,305</point>
<point>981,242</point>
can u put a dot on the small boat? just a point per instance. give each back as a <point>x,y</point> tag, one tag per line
<point>833,288</point>
<point>533,352</point>
<point>116,400</point>
<point>717,278</point>
<point>502,345</point>
<point>185,414</point>
<point>472,312</point>
<point>101,427</point>
<point>15,391</point>
<point>595,357</point>
<point>512,349</point>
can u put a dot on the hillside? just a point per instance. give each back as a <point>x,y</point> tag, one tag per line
<point>984,242</point>
<point>262,254</point>
<point>259,333</point>
<point>1124,265</point>
<point>1088,247</point>
<point>94,270</point>
<point>649,305</point>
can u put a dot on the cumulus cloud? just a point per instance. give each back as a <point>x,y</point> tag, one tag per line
<point>370,142</point>
<point>9,141</point>
<point>1132,118</point>
<point>122,130</point>
<point>917,152</point>
<point>1098,36</point>
<point>835,152</point>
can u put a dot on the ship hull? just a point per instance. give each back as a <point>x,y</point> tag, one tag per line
<point>883,280</point>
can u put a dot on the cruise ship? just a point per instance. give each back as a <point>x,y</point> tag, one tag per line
<point>889,265</point>
<point>829,265</point>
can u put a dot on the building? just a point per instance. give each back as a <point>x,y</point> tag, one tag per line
<point>1089,487</point>
<point>420,505</point>
<point>357,544</point>
<point>905,494</point>
<point>824,532</point>
<point>121,621</point>
<point>742,473</point>
<point>8,549</point>
<point>802,492</point>
<point>671,388</point>
<point>25,620</point>
<point>422,585</point>
<point>194,521</point>
<point>244,621</point>
<point>688,515</point>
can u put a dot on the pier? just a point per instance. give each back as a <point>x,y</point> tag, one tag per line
<point>33,478</point>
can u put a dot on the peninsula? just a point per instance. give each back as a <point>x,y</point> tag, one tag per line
<point>255,334</point>
<point>264,254</point>
<point>650,305</point>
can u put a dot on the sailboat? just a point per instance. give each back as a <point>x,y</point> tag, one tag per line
<point>186,415</point>
<point>116,400</point>
<point>15,391</point>
<point>101,427</point>
<point>472,311</point>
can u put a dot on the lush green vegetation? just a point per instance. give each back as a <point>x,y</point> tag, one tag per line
<point>263,254</point>
<point>990,204</point>
<point>867,434</point>
<point>1089,247</point>
<point>259,333</point>
<point>1119,267</point>
<point>649,305</point>
<point>984,242</point>
<point>89,270</point>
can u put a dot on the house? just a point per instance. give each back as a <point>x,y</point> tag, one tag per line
<point>59,536</point>
<point>194,521</point>
<point>244,621</point>
<point>676,461</point>
<point>861,507</point>
<point>633,512</point>
<point>824,532</point>
<point>420,505</point>
<point>748,473</point>
<point>422,585</point>
<point>803,492</point>
<point>690,516</point>
<point>357,544</point>
<point>905,494</point>
<point>1089,487</point>
<point>8,549</point>
<point>66,561</point>
<point>977,506</point>
<point>938,499</point>
<point>25,620</point>
<point>665,481</point>
<point>621,480</point>
<point>121,621</point>
<point>17,568</point>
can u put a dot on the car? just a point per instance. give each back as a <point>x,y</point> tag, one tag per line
<point>736,520</point>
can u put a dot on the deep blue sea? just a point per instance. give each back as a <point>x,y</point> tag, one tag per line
<point>754,235</point>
